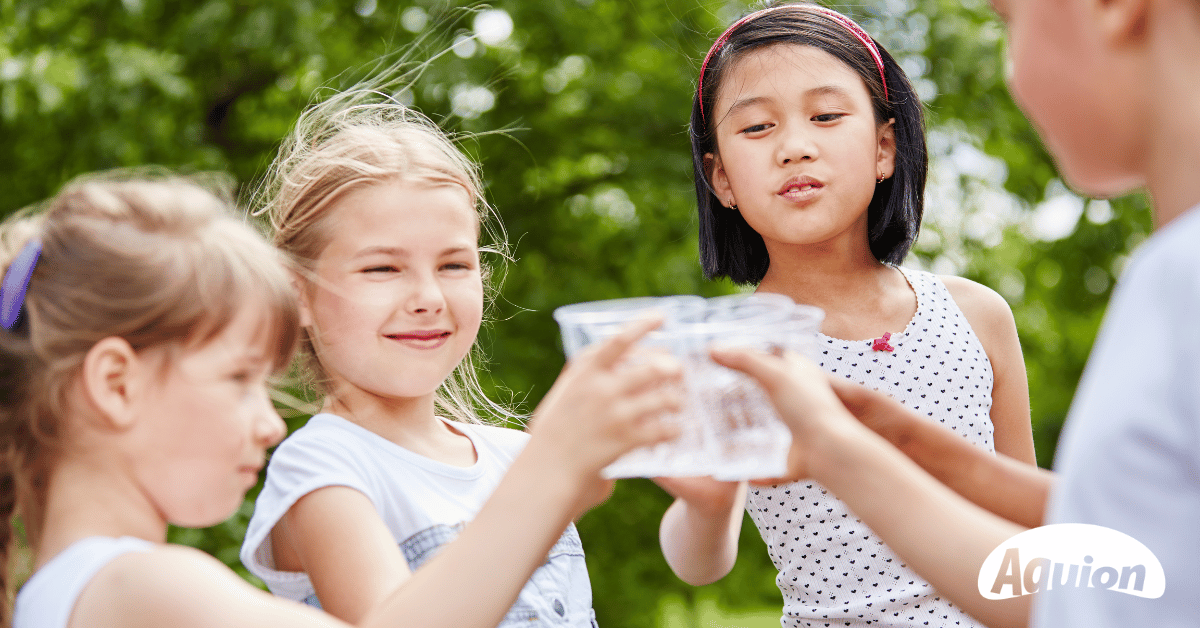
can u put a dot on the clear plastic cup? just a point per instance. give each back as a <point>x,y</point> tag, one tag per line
<point>729,429</point>
<point>582,324</point>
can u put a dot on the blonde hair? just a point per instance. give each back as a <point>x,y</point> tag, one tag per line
<point>359,137</point>
<point>157,261</point>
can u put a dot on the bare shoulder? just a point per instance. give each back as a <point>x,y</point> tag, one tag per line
<point>180,587</point>
<point>986,311</point>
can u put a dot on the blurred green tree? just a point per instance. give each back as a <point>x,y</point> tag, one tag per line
<point>592,176</point>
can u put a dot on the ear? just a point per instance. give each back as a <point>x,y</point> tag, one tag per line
<point>1122,21</point>
<point>885,159</point>
<point>109,377</point>
<point>718,178</point>
<point>301,288</point>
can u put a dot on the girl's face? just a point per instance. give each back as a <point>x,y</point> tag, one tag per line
<point>397,297</point>
<point>206,422</point>
<point>1078,95</point>
<point>799,148</point>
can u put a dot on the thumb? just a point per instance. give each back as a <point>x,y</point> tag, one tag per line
<point>613,349</point>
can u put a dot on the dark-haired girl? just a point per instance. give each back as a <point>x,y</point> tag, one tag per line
<point>809,153</point>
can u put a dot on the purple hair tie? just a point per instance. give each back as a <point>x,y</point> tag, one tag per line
<point>847,23</point>
<point>16,282</point>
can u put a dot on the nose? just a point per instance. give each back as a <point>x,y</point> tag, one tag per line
<point>425,295</point>
<point>796,144</point>
<point>269,428</point>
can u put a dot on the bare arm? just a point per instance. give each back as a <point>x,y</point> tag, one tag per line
<point>498,552</point>
<point>494,556</point>
<point>699,532</point>
<point>336,536</point>
<point>184,588</point>
<point>1009,488</point>
<point>992,319</point>
<point>939,534</point>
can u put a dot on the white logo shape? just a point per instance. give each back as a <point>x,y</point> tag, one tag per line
<point>1076,555</point>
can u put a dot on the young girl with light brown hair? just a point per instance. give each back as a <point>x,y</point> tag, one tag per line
<point>381,216</point>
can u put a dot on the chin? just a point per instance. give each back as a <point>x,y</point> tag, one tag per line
<point>1101,182</point>
<point>208,516</point>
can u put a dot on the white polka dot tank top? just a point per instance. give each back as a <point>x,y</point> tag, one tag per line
<point>833,570</point>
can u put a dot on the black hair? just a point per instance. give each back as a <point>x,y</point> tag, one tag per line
<point>729,247</point>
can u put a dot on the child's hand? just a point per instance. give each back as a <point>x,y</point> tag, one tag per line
<point>803,397</point>
<point>609,400</point>
<point>884,415</point>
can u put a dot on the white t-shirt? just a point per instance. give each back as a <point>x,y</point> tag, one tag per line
<point>1129,456</point>
<point>49,596</point>
<point>425,504</point>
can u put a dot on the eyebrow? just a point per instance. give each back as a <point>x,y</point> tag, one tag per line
<point>253,357</point>
<point>822,90</point>
<point>380,250</point>
<point>828,90</point>
<point>399,252</point>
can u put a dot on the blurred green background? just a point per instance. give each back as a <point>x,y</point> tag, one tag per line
<point>593,180</point>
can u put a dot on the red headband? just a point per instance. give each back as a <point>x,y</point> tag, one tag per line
<point>854,29</point>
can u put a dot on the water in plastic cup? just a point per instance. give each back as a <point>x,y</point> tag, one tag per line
<point>729,429</point>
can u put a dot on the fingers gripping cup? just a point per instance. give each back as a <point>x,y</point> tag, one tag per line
<point>729,429</point>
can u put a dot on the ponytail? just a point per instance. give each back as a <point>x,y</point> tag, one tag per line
<point>23,453</point>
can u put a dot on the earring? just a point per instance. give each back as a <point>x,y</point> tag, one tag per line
<point>880,179</point>
<point>733,205</point>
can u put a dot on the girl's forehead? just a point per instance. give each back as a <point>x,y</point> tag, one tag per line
<point>415,213</point>
<point>784,66</point>
<point>252,333</point>
<point>403,200</point>
<point>785,60</point>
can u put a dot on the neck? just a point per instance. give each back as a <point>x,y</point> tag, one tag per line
<point>92,496</point>
<point>1173,165</point>
<point>398,419</point>
<point>822,273</point>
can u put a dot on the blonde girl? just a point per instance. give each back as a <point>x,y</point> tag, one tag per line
<point>382,216</point>
<point>141,322</point>
<point>809,152</point>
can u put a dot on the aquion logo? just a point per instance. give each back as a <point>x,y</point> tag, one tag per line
<point>1076,555</point>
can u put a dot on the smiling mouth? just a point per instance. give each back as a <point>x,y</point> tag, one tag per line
<point>421,339</point>
<point>421,335</point>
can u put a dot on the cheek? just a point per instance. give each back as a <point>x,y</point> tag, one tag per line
<point>196,483</point>
<point>217,428</point>
<point>468,305</point>
<point>340,309</point>
<point>1029,83</point>
<point>1079,114</point>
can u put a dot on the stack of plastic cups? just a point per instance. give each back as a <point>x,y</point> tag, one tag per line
<point>729,430</point>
